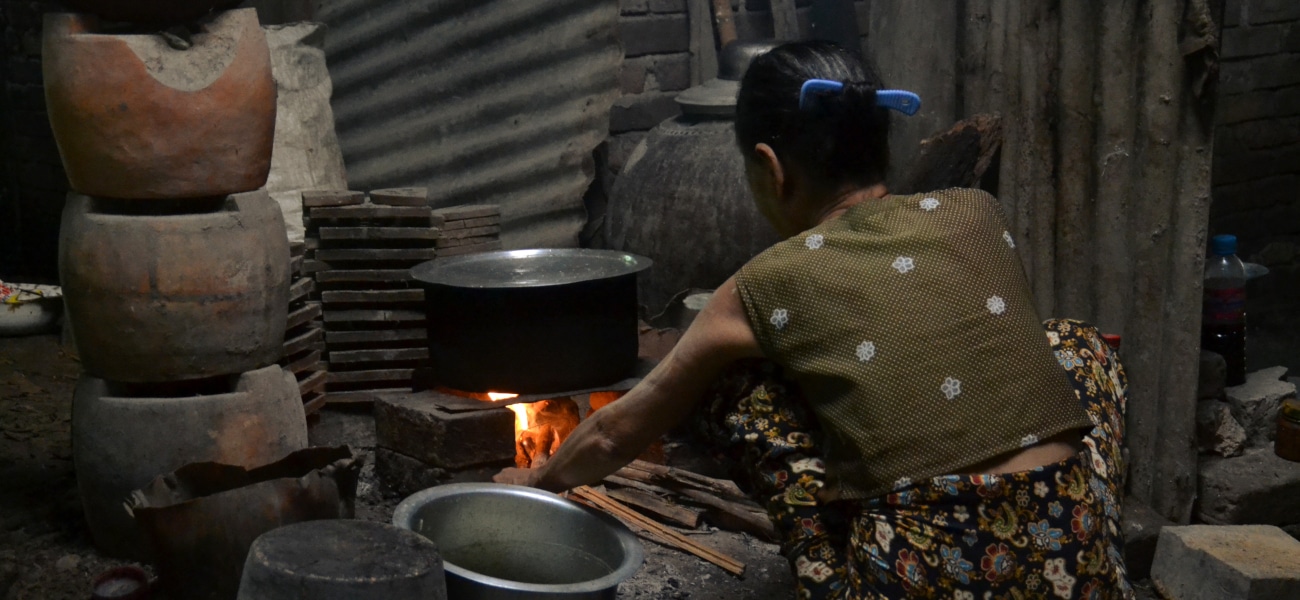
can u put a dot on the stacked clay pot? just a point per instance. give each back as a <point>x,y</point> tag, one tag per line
<point>174,260</point>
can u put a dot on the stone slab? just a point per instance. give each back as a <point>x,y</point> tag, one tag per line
<point>1255,403</point>
<point>468,211</point>
<point>409,423</point>
<point>1141,525</point>
<point>1257,487</point>
<point>410,196</point>
<point>1246,562</point>
<point>1212,376</point>
<point>1217,431</point>
<point>320,198</point>
<point>403,475</point>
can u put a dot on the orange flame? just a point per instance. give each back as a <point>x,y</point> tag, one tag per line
<point>520,410</point>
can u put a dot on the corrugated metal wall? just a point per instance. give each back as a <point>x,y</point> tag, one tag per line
<point>1105,173</point>
<point>482,101</point>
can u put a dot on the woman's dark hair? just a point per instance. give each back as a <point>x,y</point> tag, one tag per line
<point>842,138</point>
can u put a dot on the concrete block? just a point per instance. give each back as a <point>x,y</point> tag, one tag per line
<point>1212,375</point>
<point>654,34</point>
<point>411,424</point>
<point>1242,42</point>
<point>1217,432</point>
<point>667,6</point>
<point>1141,526</point>
<point>1247,562</point>
<point>1260,72</point>
<point>1255,403</point>
<point>632,76</point>
<point>403,475</point>
<point>1261,12</point>
<point>673,72</point>
<point>633,7</point>
<point>1257,488</point>
<point>642,111</point>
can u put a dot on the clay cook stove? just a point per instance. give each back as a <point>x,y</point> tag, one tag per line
<point>541,337</point>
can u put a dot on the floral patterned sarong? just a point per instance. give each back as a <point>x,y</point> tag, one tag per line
<point>1051,532</point>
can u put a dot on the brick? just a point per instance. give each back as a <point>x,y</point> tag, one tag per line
<point>1253,194</point>
<point>25,71</point>
<point>402,475</point>
<point>1255,488</point>
<point>673,72</point>
<point>1260,72</point>
<point>1261,12</point>
<point>632,76</point>
<point>1242,42</point>
<point>409,423</point>
<point>641,112</point>
<point>1141,526</point>
<point>1204,562</point>
<point>667,6</point>
<point>1255,403</point>
<point>654,34</point>
<point>1234,14</point>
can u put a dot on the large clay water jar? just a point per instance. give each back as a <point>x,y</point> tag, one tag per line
<point>682,199</point>
<point>122,439</point>
<point>158,298</point>
<point>136,118</point>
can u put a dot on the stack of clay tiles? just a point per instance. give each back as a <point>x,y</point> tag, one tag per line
<point>174,261</point>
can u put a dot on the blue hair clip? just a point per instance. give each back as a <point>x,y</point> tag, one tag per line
<point>899,100</point>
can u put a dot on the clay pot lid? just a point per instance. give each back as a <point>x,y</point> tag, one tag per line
<point>717,97</point>
<point>122,583</point>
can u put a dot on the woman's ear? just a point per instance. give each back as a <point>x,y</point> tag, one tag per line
<point>771,168</point>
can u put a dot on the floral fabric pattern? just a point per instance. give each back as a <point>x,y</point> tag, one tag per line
<point>1051,532</point>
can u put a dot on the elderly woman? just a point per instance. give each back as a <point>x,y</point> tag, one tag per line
<point>883,372</point>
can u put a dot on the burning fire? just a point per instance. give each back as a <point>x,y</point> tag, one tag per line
<point>520,410</point>
<point>540,427</point>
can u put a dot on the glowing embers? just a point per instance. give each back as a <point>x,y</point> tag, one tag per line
<point>540,427</point>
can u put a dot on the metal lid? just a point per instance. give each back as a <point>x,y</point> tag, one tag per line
<point>529,268</point>
<point>717,97</point>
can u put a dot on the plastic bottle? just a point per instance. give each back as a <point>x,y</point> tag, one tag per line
<point>1223,316</point>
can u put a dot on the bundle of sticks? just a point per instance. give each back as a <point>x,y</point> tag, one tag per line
<point>659,502</point>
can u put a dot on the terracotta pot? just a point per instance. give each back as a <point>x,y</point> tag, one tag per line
<point>122,442</point>
<point>150,11</point>
<point>135,118</point>
<point>175,297</point>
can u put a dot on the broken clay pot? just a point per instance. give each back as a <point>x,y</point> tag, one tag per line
<point>200,521</point>
<point>136,118</point>
<point>122,439</point>
<point>175,297</point>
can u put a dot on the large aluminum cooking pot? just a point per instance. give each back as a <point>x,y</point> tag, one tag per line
<point>512,542</point>
<point>532,321</point>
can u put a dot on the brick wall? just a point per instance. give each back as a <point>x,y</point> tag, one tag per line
<point>32,182</point>
<point>1257,167</point>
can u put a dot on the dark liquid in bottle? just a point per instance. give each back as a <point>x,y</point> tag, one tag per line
<point>1230,342</point>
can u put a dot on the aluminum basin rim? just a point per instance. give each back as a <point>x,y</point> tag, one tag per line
<point>431,273</point>
<point>634,555</point>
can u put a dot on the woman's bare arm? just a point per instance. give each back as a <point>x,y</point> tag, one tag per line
<point>618,433</point>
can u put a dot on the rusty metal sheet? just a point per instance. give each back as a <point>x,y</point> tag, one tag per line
<point>482,102</point>
<point>1105,177</point>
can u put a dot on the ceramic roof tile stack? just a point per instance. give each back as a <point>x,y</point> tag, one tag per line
<point>304,335</point>
<point>174,261</point>
<point>360,253</point>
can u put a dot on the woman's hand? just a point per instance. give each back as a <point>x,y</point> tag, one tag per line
<point>514,476</point>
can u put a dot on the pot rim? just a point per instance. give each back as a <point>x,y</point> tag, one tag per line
<point>443,272</point>
<point>634,555</point>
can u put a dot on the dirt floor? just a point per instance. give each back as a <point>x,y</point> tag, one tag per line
<point>45,549</point>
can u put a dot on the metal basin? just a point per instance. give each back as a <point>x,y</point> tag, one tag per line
<point>506,541</point>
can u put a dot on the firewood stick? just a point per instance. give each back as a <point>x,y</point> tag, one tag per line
<point>731,515</point>
<point>656,507</point>
<point>638,485</point>
<point>661,474</point>
<point>677,540</point>
<point>725,20</point>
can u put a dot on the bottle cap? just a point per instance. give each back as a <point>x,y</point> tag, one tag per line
<point>1224,245</point>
